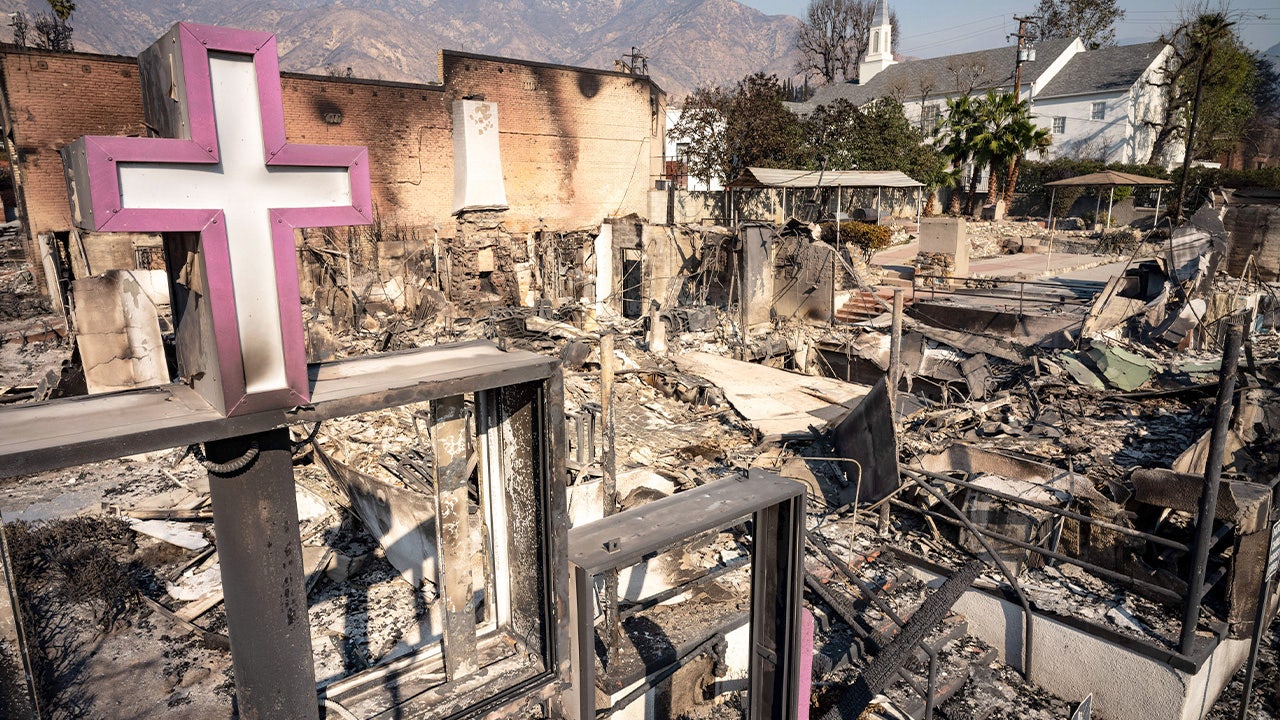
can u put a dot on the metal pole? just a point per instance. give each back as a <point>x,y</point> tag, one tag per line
<point>1259,628</point>
<point>610,480</point>
<point>1156,222</point>
<point>1048,257</point>
<point>255,514</point>
<point>1209,494</point>
<point>895,346</point>
<point>837,217</point>
<point>1110,202</point>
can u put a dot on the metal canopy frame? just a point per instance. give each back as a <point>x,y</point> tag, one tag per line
<point>777,508</point>
<point>520,428</point>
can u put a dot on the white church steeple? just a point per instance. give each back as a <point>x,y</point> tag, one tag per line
<point>879,45</point>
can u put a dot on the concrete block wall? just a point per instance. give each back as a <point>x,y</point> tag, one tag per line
<point>578,144</point>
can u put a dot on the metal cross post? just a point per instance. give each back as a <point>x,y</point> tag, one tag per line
<point>226,172</point>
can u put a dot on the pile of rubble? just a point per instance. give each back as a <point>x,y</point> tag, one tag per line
<point>1065,455</point>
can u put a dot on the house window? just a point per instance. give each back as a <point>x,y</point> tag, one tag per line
<point>1099,111</point>
<point>1059,125</point>
<point>929,117</point>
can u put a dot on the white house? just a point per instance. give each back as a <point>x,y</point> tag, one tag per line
<point>1105,103</point>
<point>674,150</point>
<point>1099,104</point>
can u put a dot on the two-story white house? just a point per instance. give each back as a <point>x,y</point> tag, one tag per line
<point>1106,103</point>
<point>1100,104</point>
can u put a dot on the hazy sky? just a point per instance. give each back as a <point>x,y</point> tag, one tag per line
<point>931,28</point>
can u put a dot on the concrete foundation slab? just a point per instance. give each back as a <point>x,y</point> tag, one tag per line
<point>1069,662</point>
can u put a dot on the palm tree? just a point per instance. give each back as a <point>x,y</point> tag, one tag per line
<point>994,140</point>
<point>955,141</point>
<point>1028,137</point>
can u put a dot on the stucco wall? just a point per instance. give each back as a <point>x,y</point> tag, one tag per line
<point>1106,139</point>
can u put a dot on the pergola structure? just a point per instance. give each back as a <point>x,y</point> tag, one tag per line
<point>755,178</point>
<point>1106,178</point>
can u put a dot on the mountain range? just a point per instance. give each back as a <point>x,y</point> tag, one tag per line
<point>688,43</point>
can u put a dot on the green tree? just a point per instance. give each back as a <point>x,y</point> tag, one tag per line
<point>833,37</point>
<point>1024,137</point>
<point>701,127</point>
<point>62,9</point>
<point>992,141</point>
<point>1093,21</point>
<point>759,130</point>
<point>994,131</point>
<point>955,142</point>
<point>727,131</point>
<point>1262,133</point>
<point>877,136</point>
<point>1207,57</point>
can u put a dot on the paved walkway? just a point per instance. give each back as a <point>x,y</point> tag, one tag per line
<point>1021,266</point>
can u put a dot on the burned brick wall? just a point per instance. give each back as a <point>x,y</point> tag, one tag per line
<point>48,100</point>
<point>578,145</point>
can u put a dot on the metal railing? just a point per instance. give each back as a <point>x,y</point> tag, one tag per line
<point>926,480</point>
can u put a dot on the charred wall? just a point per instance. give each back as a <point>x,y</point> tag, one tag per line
<point>578,144</point>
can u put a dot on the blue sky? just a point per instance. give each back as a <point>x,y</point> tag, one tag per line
<point>931,28</point>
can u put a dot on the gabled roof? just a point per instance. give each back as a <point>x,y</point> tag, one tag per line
<point>1105,70</point>
<point>775,177</point>
<point>950,74</point>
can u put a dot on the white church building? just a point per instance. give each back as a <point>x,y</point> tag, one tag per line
<point>1100,104</point>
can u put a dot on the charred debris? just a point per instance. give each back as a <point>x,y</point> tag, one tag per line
<point>993,411</point>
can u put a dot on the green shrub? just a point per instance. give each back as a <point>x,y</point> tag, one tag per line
<point>869,238</point>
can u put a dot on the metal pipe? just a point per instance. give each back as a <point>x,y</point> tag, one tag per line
<point>1059,511</point>
<point>1209,493</point>
<point>933,680</point>
<point>895,349</point>
<point>1013,580</point>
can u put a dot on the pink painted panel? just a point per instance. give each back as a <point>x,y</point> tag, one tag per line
<point>804,683</point>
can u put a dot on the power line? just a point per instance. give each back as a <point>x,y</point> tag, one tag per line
<point>946,41</point>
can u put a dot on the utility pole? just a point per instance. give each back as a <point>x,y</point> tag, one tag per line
<point>1025,53</point>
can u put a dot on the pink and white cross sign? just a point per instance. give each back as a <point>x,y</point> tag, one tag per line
<point>227,173</point>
